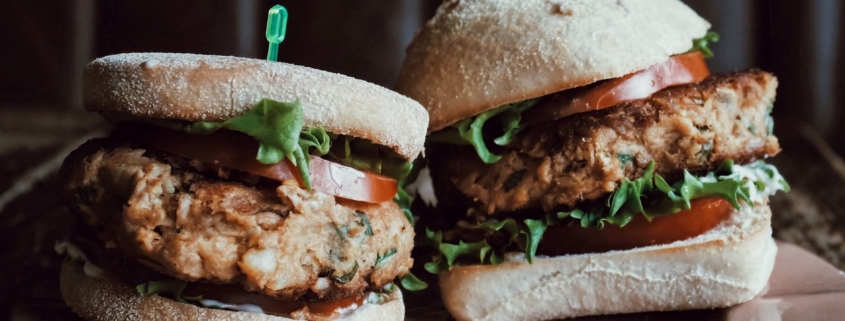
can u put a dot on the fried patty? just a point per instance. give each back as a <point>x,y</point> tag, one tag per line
<point>279,240</point>
<point>557,164</point>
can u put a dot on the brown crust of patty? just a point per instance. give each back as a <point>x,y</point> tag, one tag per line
<point>560,163</point>
<point>278,240</point>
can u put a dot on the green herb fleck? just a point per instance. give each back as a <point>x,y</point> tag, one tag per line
<point>346,277</point>
<point>624,159</point>
<point>381,258</point>
<point>365,222</point>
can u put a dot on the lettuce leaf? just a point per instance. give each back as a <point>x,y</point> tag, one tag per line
<point>471,131</point>
<point>365,155</point>
<point>278,128</point>
<point>410,282</point>
<point>703,44</point>
<point>171,287</point>
<point>525,236</point>
<point>650,195</point>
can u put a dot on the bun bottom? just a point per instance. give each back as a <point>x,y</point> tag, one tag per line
<point>729,264</point>
<point>101,299</point>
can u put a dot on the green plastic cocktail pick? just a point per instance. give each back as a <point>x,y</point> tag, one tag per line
<point>277,21</point>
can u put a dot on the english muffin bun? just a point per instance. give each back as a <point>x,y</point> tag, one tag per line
<point>104,299</point>
<point>683,275</point>
<point>481,54</point>
<point>194,87</point>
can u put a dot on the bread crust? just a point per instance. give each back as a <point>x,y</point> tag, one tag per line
<point>214,88</point>
<point>475,55</point>
<point>725,266</point>
<point>101,299</point>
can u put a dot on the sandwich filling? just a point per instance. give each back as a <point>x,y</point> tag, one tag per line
<point>256,212</point>
<point>658,156</point>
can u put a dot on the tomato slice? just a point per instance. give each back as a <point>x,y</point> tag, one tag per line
<point>678,70</point>
<point>704,214</point>
<point>237,151</point>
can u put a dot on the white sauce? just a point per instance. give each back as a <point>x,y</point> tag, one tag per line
<point>76,254</point>
<point>759,172</point>
<point>423,188</point>
<point>347,310</point>
<point>372,298</point>
<point>234,307</point>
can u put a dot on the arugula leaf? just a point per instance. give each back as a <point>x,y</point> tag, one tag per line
<point>471,131</point>
<point>702,44</point>
<point>171,287</point>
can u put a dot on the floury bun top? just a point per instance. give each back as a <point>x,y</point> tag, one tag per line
<point>475,55</point>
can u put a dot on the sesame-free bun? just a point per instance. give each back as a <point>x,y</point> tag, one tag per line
<point>725,266</point>
<point>104,299</point>
<point>475,55</point>
<point>193,87</point>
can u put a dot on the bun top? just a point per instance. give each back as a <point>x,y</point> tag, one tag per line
<point>475,55</point>
<point>193,87</point>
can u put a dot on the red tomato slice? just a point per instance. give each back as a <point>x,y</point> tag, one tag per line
<point>236,150</point>
<point>678,70</point>
<point>704,214</point>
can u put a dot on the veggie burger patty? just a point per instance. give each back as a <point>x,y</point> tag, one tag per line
<point>585,156</point>
<point>157,207</point>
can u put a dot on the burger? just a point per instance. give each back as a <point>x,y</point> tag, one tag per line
<point>238,189</point>
<point>586,162</point>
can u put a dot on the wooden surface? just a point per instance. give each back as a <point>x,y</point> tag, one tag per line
<point>32,217</point>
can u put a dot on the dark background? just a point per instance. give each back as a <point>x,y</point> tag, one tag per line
<point>46,43</point>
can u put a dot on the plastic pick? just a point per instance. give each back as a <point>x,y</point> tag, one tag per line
<point>277,21</point>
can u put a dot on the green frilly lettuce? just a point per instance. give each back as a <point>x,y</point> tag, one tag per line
<point>278,128</point>
<point>650,196</point>
<point>471,131</point>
